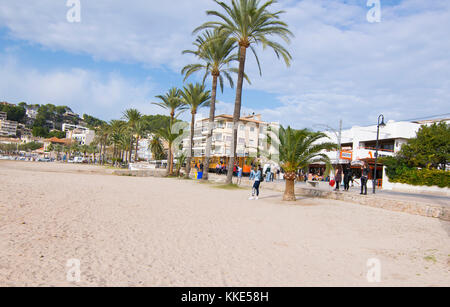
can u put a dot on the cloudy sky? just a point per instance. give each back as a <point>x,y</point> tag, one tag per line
<point>123,53</point>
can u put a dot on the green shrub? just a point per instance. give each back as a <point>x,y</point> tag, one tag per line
<point>398,172</point>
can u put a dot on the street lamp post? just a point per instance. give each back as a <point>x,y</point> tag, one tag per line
<point>380,125</point>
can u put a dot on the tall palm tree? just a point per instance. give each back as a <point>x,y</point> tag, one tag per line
<point>125,139</point>
<point>116,130</point>
<point>299,149</point>
<point>216,52</point>
<point>101,138</point>
<point>173,102</point>
<point>133,117</point>
<point>195,97</point>
<point>249,23</point>
<point>170,136</point>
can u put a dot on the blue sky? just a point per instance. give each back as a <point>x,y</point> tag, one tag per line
<point>122,54</point>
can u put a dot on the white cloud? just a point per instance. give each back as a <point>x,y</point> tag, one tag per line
<point>149,32</point>
<point>83,90</point>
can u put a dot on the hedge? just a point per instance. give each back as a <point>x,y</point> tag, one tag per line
<point>423,177</point>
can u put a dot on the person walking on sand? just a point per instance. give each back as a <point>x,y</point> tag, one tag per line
<point>239,175</point>
<point>364,178</point>
<point>347,174</point>
<point>256,185</point>
<point>338,178</point>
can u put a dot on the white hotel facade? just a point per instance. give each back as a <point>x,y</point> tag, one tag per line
<point>252,135</point>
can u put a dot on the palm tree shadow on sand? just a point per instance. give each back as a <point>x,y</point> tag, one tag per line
<point>300,201</point>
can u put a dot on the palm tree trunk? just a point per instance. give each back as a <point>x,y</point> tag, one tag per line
<point>289,192</point>
<point>131,149</point>
<point>170,159</point>
<point>237,111</point>
<point>212,112</point>
<point>170,156</point>
<point>137,145</point>
<point>191,146</point>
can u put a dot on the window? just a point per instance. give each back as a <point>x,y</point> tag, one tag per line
<point>241,141</point>
<point>242,127</point>
<point>218,137</point>
<point>230,125</point>
<point>229,138</point>
<point>252,129</point>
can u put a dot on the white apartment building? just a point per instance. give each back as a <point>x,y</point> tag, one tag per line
<point>31,113</point>
<point>81,136</point>
<point>252,135</point>
<point>8,128</point>
<point>359,143</point>
<point>3,116</point>
<point>144,152</point>
<point>69,127</point>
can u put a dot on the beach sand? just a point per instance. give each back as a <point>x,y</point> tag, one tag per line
<point>129,231</point>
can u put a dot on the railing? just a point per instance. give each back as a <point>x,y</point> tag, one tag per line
<point>379,149</point>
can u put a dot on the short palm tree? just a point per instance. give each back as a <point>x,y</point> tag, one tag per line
<point>195,97</point>
<point>299,149</point>
<point>249,23</point>
<point>170,136</point>
<point>216,52</point>
<point>133,117</point>
<point>173,102</point>
<point>156,147</point>
<point>181,160</point>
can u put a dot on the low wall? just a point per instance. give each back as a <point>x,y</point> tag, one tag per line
<point>406,206</point>
<point>141,173</point>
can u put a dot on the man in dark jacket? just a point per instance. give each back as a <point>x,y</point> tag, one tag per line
<point>365,178</point>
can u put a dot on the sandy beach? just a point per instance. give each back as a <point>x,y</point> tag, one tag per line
<point>130,231</point>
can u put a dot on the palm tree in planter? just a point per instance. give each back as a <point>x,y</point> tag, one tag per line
<point>170,136</point>
<point>173,102</point>
<point>299,149</point>
<point>216,52</point>
<point>249,23</point>
<point>195,97</point>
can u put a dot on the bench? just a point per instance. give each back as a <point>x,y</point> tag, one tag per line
<point>314,184</point>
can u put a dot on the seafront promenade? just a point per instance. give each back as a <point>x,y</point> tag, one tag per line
<point>429,205</point>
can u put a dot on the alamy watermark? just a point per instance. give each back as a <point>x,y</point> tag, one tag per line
<point>374,14</point>
<point>74,270</point>
<point>74,12</point>
<point>374,270</point>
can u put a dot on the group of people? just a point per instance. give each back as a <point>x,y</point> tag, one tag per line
<point>346,174</point>
<point>221,168</point>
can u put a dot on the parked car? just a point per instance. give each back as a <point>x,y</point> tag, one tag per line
<point>78,160</point>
